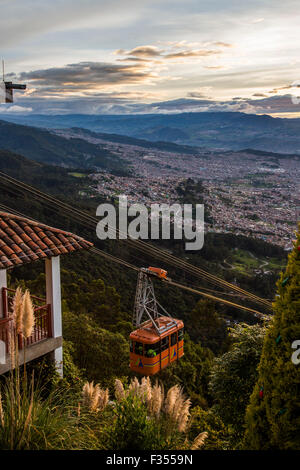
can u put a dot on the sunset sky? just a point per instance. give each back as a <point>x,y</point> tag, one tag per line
<point>129,56</point>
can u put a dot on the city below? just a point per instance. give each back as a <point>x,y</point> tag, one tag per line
<point>246,192</point>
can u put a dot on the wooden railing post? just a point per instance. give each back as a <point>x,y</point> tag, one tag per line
<point>20,341</point>
<point>49,321</point>
<point>3,284</point>
<point>4,302</point>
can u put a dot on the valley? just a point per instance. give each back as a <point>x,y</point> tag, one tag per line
<point>247,192</point>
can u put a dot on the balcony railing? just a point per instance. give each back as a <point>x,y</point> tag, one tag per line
<point>42,325</point>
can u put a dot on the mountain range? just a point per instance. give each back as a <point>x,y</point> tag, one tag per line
<point>215,130</point>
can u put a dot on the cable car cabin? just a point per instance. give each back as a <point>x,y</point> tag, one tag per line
<point>161,273</point>
<point>150,352</point>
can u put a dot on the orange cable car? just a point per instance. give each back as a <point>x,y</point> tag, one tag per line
<point>158,339</point>
<point>161,273</point>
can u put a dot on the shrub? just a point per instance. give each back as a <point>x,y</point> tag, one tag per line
<point>218,435</point>
<point>234,374</point>
<point>273,416</point>
<point>161,420</point>
<point>132,429</point>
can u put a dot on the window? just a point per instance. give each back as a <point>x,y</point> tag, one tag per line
<point>180,334</point>
<point>131,346</point>
<point>152,350</point>
<point>138,348</point>
<point>174,339</point>
<point>165,343</point>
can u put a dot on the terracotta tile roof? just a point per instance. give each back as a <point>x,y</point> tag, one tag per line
<point>23,241</point>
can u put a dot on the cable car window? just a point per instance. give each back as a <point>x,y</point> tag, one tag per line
<point>180,334</point>
<point>131,346</point>
<point>138,348</point>
<point>152,350</point>
<point>165,343</point>
<point>173,338</point>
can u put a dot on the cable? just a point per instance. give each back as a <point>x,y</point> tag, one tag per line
<point>176,284</point>
<point>117,260</point>
<point>227,302</point>
<point>146,247</point>
<point>169,282</point>
<point>137,244</point>
<point>114,258</point>
<point>219,292</point>
<point>181,286</point>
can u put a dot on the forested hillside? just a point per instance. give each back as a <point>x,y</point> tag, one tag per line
<point>49,178</point>
<point>46,147</point>
<point>69,188</point>
<point>97,310</point>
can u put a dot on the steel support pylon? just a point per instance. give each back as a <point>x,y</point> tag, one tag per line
<point>146,306</point>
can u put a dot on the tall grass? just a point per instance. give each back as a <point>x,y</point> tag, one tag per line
<point>28,420</point>
<point>143,416</point>
<point>94,398</point>
<point>170,411</point>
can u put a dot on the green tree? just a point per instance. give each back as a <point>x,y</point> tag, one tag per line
<point>102,355</point>
<point>207,420</point>
<point>191,371</point>
<point>82,294</point>
<point>92,297</point>
<point>132,428</point>
<point>273,415</point>
<point>234,374</point>
<point>208,328</point>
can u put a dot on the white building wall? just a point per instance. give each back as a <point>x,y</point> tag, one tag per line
<point>53,297</point>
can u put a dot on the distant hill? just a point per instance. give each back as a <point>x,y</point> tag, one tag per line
<point>45,147</point>
<point>263,153</point>
<point>51,179</point>
<point>123,139</point>
<point>215,130</point>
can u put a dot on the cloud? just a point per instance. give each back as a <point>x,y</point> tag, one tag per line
<point>20,20</point>
<point>191,53</point>
<point>258,20</point>
<point>259,95</point>
<point>275,105</point>
<point>36,34</point>
<point>171,52</point>
<point>141,51</point>
<point>136,59</point>
<point>15,109</point>
<point>222,44</point>
<point>134,103</point>
<point>197,44</point>
<point>142,65</point>
<point>291,86</point>
<point>85,76</point>
<point>200,93</point>
<point>214,67</point>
